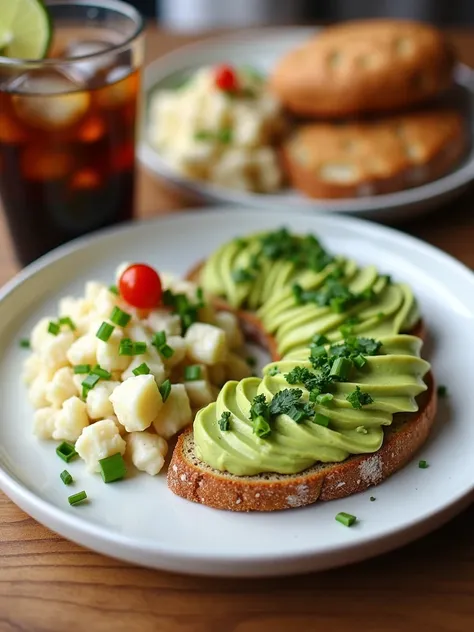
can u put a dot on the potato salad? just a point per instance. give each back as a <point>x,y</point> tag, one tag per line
<point>119,371</point>
<point>222,126</point>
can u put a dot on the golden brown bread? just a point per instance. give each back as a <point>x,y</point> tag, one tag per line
<point>365,66</point>
<point>329,160</point>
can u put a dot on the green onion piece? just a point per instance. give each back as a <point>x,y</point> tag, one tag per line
<point>203,134</point>
<point>139,348</point>
<point>53,328</point>
<point>25,343</point>
<point>159,339</point>
<point>251,361</point>
<point>274,370</point>
<point>80,369</point>
<point>324,398</point>
<point>192,373</point>
<point>126,347</point>
<point>165,390</point>
<point>372,498</point>
<point>224,421</point>
<point>105,331</point>
<point>89,383</point>
<point>142,369</point>
<point>442,390</point>
<point>341,368</point>
<point>359,361</point>
<point>66,451</point>
<point>113,289</point>
<point>75,499</point>
<point>66,477</point>
<point>423,465</point>
<point>119,317</point>
<point>261,427</point>
<point>321,420</point>
<point>98,370</point>
<point>346,519</point>
<point>112,468</point>
<point>381,315</point>
<point>65,320</point>
<point>166,351</point>
<point>225,135</point>
<point>319,339</point>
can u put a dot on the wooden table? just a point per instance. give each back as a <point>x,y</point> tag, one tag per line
<point>48,584</point>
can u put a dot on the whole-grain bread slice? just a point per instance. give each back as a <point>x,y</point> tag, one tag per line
<point>194,480</point>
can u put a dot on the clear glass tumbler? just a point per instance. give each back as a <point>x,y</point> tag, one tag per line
<point>67,126</point>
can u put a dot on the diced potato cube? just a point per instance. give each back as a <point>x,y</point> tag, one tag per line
<point>175,413</point>
<point>39,334</point>
<point>147,451</point>
<point>206,343</point>
<point>98,401</point>
<point>236,367</point>
<point>54,351</point>
<point>163,320</point>
<point>98,441</point>
<point>230,324</point>
<point>108,353</point>
<point>83,350</point>
<point>61,387</point>
<point>201,393</point>
<point>137,402</point>
<point>70,420</point>
<point>179,347</point>
<point>37,390</point>
<point>31,368</point>
<point>43,422</point>
<point>154,363</point>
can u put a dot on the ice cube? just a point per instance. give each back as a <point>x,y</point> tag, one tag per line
<point>89,67</point>
<point>50,99</point>
<point>123,87</point>
<point>41,163</point>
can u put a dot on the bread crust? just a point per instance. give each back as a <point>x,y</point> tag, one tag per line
<point>196,481</point>
<point>366,66</point>
<point>220,490</point>
<point>324,160</point>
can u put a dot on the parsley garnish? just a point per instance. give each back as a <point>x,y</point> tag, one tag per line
<point>224,421</point>
<point>285,402</point>
<point>274,370</point>
<point>242,275</point>
<point>304,252</point>
<point>358,398</point>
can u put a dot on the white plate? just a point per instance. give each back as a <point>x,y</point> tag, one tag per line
<point>141,521</point>
<point>262,48</point>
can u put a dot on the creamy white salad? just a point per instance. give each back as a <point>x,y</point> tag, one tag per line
<point>110,379</point>
<point>222,126</point>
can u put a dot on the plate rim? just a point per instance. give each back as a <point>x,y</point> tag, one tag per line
<point>171,558</point>
<point>370,206</point>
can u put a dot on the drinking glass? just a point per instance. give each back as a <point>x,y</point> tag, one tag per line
<point>67,126</point>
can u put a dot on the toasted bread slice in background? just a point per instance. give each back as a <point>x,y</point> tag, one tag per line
<point>194,480</point>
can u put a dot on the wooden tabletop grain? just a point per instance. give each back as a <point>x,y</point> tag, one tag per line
<point>48,584</point>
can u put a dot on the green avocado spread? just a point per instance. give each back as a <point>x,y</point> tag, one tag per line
<point>346,366</point>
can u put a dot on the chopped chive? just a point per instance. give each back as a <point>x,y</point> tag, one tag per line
<point>25,343</point>
<point>192,373</point>
<point>139,348</point>
<point>89,383</point>
<point>251,361</point>
<point>112,468</point>
<point>372,498</point>
<point>105,331</point>
<point>66,451</point>
<point>261,427</point>
<point>359,361</point>
<point>75,499</point>
<point>142,369</point>
<point>159,339</point>
<point>66,320</point>
<point>166,351</point>
<point>442,390</point>
<point>113,289</point>
<point>126,347</point>
<point>53,328</point>
<point>346,519</point>
<point>98,370</point>
<point>119,317</point>
<point>341,368</point>
<point>318,351</point>
<point>80,369</point>
<point>381,315</point>
<point>319,339</point>
<point>165,390</point>
<point>321,420</point>
<point>324,398</point>
<point>66,477</point>
<point>225,135</point>
<point>423,465</point>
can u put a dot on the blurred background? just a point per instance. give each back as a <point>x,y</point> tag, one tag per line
<point>189,15</point>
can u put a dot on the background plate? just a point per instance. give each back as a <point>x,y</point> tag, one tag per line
<point>141,521</point>
<point>262,48</point>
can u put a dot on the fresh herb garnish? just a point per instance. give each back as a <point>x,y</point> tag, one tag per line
<point>25,343</point>
<point>442,390</point>
<point>321,420</point>
<point>274,370</point>
<point>372,498</point>
<point>285,402</point>
<point>423,464</point>
<point>224,421</point>
<point>243,275</point>
<point>358,398</point>
<point>67,321</point>
<point>181,305</point>
<point>303,252</point>
<point>346,519</point>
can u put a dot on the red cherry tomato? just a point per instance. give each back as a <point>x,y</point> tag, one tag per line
<point>226,79</point>
<point>140,286</point>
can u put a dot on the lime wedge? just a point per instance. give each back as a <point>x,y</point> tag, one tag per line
<point>25,29</point>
